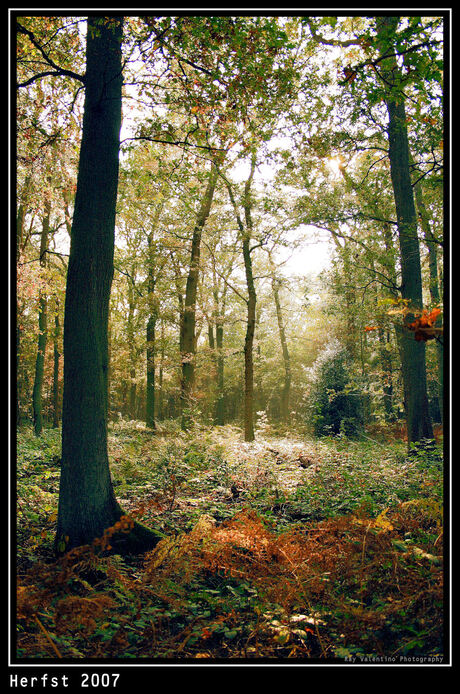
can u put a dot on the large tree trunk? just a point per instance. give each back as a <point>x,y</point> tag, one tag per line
<point>87,504</point>
<point>412,351</point>
<point>188,337</point>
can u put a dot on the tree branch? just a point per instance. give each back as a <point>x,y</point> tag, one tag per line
<point>56,69</point>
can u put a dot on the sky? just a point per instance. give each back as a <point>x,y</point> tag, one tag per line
<point>311,258</point>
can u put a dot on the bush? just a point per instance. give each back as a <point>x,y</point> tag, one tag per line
<point>335,406</point>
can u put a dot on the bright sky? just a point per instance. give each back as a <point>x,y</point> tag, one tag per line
<point>311,258</point>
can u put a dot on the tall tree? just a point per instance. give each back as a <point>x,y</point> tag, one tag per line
<point>245,229</point>
<point>42,329</point>
<point>188,337</point>
<point>412,351</point>
<point>286,390</point>
<point>85,515</point>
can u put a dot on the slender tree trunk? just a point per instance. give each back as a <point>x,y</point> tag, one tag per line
<point>131,347</point>
<point>188,337</point>
<point>245,232</point>
<point>151,327</point>
<point>20,217</point>
<point>434,284</point>
<point>285,393</point>
<point>220,403</point>
<point>160,413</point>
<point>87,504</point>
<point>37,394</point>
<point>56,359</point>
<point>412,351</point>
<point>251,315</point>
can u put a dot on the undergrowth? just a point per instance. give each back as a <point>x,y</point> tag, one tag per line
<point>281,549</point>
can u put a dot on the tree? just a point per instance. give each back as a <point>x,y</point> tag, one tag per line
<point>335,408</point>
<point>85,515</point>
<point>412,351</point>
<point>377,84</point>
<point>42,331</point>
<point>188,337</point>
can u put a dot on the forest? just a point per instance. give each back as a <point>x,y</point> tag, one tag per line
<point>228,337</point>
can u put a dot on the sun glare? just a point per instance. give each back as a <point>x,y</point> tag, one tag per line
<point>335,164</point>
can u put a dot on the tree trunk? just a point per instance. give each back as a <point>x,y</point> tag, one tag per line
<point>188,337</point>
<point>87,504</point>
<point>412,351</point>
<point>245,232</point>
<point>160,413</point>
<point>285,393</point>
<point>56,358</point>
<point>37,394</point>
<point>219,418</point>
<point>251,315</point>
<point>130,329</point>
<point>20,217</point>
<point>151,326</point>
<point>434,285</point>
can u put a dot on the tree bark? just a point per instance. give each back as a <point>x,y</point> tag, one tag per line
<point>87,504</point>
<point>435,294</point>
<point>285,393</point>
<point>220,402</point>
<point>188,337</point>
<point>37,394</point>
<point>413,358</point>
<point>251,315</point>
<point>251,302</point>
<point>150,334</point>
<point>56,359</point>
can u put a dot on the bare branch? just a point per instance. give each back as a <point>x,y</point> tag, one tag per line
<point>56,69</point>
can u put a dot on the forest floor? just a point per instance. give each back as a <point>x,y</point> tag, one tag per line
<point>285,548</point>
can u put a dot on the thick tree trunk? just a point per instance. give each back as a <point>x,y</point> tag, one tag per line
<point>87,504</point>
<point>412,351</point>
<point>188,337</point>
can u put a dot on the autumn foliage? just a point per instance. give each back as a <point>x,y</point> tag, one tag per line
<point>312,592</point>
<point>424,326</point>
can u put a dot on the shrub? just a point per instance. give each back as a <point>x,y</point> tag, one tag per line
<point>335,406</point>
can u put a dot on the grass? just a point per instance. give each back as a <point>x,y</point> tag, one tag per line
<point>285,548</point>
